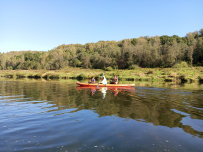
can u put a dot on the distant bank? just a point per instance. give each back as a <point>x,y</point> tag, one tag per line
<point>178,75</point>
<point>145,52</point>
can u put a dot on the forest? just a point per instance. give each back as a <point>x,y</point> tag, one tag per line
<point>146,52</point>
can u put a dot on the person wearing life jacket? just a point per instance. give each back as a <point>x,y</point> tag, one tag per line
<point>115,80</point>
<point>103,80</point>
<point>92,80</point>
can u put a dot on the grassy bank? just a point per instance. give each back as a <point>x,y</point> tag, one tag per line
<point>179,75</point>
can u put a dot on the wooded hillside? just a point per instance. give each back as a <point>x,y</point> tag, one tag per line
<point>150,52</point>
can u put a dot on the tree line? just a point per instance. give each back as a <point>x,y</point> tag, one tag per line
<point>147,52</point>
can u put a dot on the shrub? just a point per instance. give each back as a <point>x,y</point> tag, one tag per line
<point>173,75</point>
<point>109,69</point>
<point>181,65</point>
<point>133,67</point>
<point>82,76</point>
<point>150,72</point>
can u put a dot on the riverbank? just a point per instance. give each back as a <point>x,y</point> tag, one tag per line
<point>179,75</point>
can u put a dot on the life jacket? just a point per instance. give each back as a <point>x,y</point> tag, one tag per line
<point>104,80</point>
<point>116,80</point>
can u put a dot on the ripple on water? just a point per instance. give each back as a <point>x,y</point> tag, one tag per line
<point>53,117</point>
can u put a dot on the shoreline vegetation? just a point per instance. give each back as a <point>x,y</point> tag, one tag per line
<point>128,54</point>
<point>178,75</point>
<point>154,59</point>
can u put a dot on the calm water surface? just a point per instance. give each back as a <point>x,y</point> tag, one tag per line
<point>38,115</point>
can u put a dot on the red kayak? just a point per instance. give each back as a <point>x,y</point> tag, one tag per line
<point>101,85</point>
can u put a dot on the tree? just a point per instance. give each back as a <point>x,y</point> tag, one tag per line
<point>163,51</point>
<point>201,32</point>
<point>198,52</point>
<point>3,61</point>
<point>134,41</point>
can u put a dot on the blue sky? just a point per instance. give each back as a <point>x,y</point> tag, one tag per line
<point>42,25</point>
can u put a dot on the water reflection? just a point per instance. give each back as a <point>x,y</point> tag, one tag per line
<point>103,90</point>
<point>168,107</point>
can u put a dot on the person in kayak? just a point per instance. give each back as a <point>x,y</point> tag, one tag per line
<point>92,80</point>
<point>115,80</point>
<point>103,80</point>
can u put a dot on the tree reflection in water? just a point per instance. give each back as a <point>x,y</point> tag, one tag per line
<point>173,108</point>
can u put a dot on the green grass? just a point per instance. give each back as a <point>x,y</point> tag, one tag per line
<point>194,74</point>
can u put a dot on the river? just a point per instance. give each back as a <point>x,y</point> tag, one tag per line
<point>40,115</point>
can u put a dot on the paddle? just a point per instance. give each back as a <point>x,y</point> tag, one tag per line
<point>98,83</point>
<point>100,80</point>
